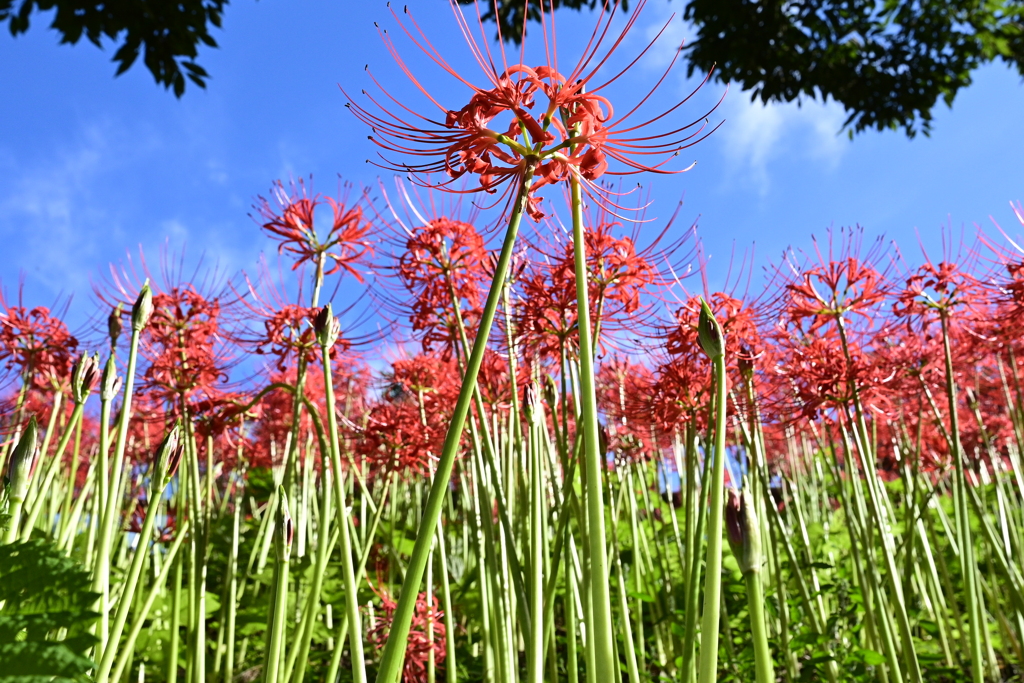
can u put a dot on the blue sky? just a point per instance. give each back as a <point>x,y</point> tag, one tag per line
<point>91,166</point>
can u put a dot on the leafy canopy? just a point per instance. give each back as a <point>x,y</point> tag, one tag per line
<point>887,62</point>
<point>166,32</point>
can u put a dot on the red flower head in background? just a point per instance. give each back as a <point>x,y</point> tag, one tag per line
<point>188,352</point>
<point>292,222</point>
<point>404,431</point>
<point>443,268</point>
<point>36,345</point>
<point>426,635</point>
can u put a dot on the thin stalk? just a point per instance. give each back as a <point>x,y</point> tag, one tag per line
<point>708,669</point>
<point>154,592</point>
<point>348,571</point>
<point>601,627</point>
<point>394,650</point>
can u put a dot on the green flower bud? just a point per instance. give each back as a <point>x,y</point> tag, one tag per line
<point>23,461</point>
<point>326,326</point>
<point>84,376</point>
<point>168,455</point>
<point>143,308</point>
<point>709,332</point>
<point>743,530</point>
<point>114,326</point>
<point>111,385</point>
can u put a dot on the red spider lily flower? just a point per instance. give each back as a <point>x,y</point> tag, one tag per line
<point>826,377</point>
<point>679,396</point>
<point>622,390</point>
<point>443,267</point>
<point>289,337</point>
<point>36,345</point>
<point>945,292</point>
<point>426,636</point>
<point>439,264</point>
<point>526,118</point>
<point>738,320</point>
<point>292,222</point>
<point>284,330</point>
<point>841,282</point>
<point>188,352</point>
<point>619,275</point>
<point>404,431</point>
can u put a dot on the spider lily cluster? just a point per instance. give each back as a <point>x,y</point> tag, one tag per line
<point>537,480</point>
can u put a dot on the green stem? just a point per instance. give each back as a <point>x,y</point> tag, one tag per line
<point>600,628</point>
<point>708,669</point>
<point>394,650</point>
<point>351,590</point>
<point>132,581</point>
<point>758,630</point>
<point>112,511</point>
<point>154,591</point>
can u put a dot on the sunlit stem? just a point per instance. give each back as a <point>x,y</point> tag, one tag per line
<point>112,512</point>
<point>394,650</point>
<point>601,627</point>
<point>348,571</point>
<point>154,591</point>
<point>962,517</point>
<point>708,668</point>
<point>159,483</point>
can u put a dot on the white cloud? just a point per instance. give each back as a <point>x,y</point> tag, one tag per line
<point>755,135</point>
<point>43,212</point>
<point>676,33</point>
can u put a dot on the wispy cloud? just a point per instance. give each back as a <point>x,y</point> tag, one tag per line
<point>45,210</point>
<point>756,136</point>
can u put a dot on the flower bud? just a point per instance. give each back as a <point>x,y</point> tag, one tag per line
<point>114,326</point>
<point>550,392</point>
<point>326,326</point>
<point>111,382</point>
<point>84,376</point>
<point>531,401</point>
<point>23,460</point>
<point>743,531</point>
<point>143,308</point>
<point>285,526</point>
<point>168,455</point>
<point>709,332</point>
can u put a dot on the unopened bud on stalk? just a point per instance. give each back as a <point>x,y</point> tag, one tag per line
<point>23,459</point>
<point>326,326</point>
<point>114,326</point>
<point>143,308</point>
<point>550,392</point>
<point>743,531</point>
<point>84,376</point>
<point>168,455</point>
<point>111,382</point>
<point>531,401</point>
<point>285,526</point>
<point>709,332</point>
<point>745,360</point>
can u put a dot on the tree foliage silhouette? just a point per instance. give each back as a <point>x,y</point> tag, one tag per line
<point>887,63</point>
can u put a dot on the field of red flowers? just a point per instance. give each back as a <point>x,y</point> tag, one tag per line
<point>413,453</point>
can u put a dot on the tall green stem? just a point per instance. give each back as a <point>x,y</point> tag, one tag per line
<point>708,669</point>
<point>962,517</point>
<point>601,628</point>
<point>351,590</point>
<point>394,650</point>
